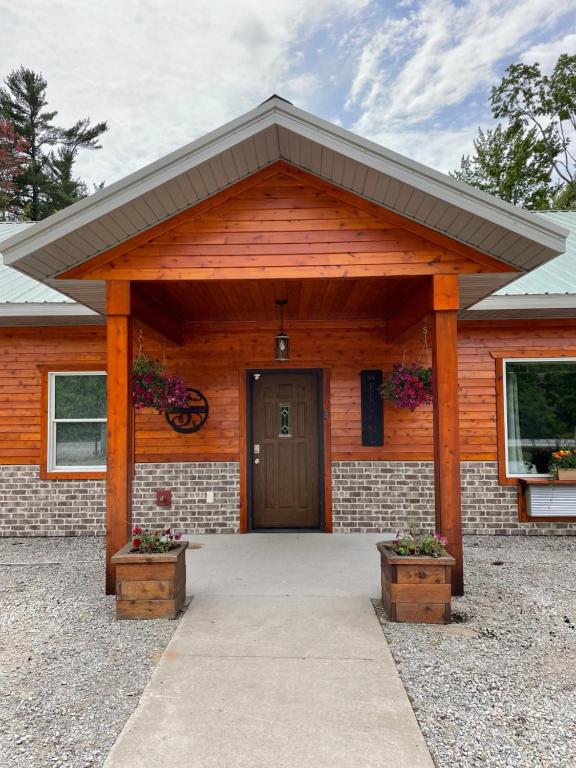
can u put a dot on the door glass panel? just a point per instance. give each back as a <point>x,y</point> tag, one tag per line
<point>285,421</point>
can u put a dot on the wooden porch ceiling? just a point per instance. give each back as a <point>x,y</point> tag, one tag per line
<point>314,299</point>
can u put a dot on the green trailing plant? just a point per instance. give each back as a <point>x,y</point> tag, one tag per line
<point>414,544</point>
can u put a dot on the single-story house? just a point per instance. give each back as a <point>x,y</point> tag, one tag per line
<point>372,259</point>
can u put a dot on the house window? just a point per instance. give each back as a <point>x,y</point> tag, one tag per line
<point>76,421</point>
<point>540,411</point>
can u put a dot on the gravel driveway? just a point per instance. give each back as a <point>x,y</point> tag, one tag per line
<point>70,675</point>
<point>499,689</point>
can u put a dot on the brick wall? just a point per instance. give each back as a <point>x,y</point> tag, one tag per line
<point>368,496</point>
<point>33,507</point>
<point>189,482</point>
<point>381,496</point>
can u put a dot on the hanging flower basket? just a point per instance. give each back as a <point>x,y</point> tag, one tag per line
<point>153,387</point>
<point>408,386</point>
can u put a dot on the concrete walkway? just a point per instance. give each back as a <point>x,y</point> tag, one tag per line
<point>279,662</point>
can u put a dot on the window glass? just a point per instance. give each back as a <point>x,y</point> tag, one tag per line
<point>79,397</point>
<point>540,413</point>
<point>80,444</point>
<point>77,422</point>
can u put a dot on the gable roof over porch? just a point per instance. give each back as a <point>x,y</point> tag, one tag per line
<point>275,131</point>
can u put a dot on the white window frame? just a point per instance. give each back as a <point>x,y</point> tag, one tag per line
<point>52,421</point>
<point>505,398</point>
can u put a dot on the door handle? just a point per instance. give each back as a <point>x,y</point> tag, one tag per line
<point>256,453</point>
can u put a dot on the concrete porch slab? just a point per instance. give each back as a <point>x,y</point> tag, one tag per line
<point>276,680</point>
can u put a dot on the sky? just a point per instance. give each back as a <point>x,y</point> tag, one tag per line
<point>413,75</point>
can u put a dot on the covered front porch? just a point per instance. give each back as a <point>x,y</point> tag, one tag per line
<point>337,327</point>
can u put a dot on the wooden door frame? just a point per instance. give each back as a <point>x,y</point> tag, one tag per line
<point>322,378</point>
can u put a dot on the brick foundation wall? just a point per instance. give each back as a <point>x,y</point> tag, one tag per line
<point>33,507</point>
<point>189,483</point>
<point>380,496</point>
<point>367,496</point>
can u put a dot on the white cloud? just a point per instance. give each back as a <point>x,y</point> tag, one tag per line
<point>440,53</point>
<point>440,148</point>
<point>546,54</point>
<point>161,73</point>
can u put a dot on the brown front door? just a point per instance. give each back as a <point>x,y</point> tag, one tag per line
<point>285,450</point>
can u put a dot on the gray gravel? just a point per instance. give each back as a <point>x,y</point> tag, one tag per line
<point>499,688</point>
<point>70,673</point>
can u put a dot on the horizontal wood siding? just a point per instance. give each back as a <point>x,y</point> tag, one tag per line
<point>212,361</point>
<point>21,352</point>
<point>277,225</point>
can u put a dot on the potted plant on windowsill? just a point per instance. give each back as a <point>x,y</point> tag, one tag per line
<point>416,571</point>
<point>151,575</point>
<point>563,464</point>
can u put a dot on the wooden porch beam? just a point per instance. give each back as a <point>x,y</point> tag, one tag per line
<point>429,294</point>
<point>446,421</point>
<point>120,424</point>
<point>155,315</point>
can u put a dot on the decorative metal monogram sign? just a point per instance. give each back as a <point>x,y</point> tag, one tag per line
<point>192,417</point>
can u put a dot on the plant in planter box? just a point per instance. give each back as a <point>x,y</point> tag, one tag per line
<point>563,464</point>
<point>151,575</point>
<point>416,571</point>
<point>415,544</point>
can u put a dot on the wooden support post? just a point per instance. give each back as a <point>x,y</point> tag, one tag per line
<point>446,420</point>
<point>120,424</point>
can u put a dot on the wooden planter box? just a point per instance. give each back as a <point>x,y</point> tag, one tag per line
<point>567,474</point>
<point>415,589</point>
<point>150,586</point>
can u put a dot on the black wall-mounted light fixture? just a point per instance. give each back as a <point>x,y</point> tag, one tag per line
<point>282,340</point>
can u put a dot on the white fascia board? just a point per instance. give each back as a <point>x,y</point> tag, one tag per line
<point>45,309</point>
<point>425,179</point>
<point>136,184</point>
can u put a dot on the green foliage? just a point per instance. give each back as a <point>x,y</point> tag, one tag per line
<point>47,183</point>
<point>528,158</point>
<point>416,544</point>
<point>80,397</point>
<point>510,164</point>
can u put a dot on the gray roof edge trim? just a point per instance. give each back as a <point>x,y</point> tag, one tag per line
<point>441,185</point>
<point>526,301</point>
<point>275,112</point>
<point>139,182</point>
<point>44,309</point>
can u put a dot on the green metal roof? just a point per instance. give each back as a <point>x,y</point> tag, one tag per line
<point>557,276</point>
<point>17,288</point>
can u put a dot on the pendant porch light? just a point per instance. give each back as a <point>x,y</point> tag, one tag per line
<point>282,340</point>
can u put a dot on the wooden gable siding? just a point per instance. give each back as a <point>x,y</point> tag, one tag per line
<point>284,223</point>
<point>213,361</point>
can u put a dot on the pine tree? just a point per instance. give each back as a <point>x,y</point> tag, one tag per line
<point>47,183</point>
